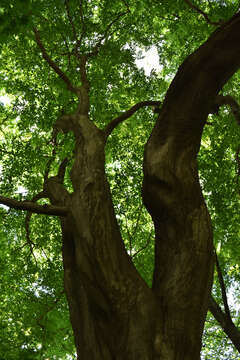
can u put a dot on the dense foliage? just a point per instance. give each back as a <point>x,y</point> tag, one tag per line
<point>34,314</point>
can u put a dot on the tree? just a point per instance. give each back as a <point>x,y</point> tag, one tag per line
<point>70,67</point>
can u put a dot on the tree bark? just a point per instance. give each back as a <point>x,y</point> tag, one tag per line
<point>184,255</point>
<point>113,312</point>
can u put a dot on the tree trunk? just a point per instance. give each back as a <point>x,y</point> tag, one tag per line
<point>171,191</point>
<point>113,312</point>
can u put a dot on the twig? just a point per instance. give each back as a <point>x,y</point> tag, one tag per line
<point>79,42</point>
<point>194,7</point>
<point>83,72</point>
<point>127,6</point>
<point>130,236</point>
<point>237,157</point>
<point>96,48</point>
<point>121,14</point>
<point>52,63</point>
<point>127,114</point>
<point>143,247</point>
<point>30,243</point>
<point>68,52</point>
<point>66,3</point>
<point>138,219</point>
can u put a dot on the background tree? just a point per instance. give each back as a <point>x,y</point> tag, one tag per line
<point>70,70</point>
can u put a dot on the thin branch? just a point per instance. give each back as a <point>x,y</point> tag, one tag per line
<point>96,48</point>
<point>237,157</point>
<point>62,170</point>
<point>144,246</point>
<point>66,3</point>
<point>225,322</point>
<point>33,207</point>
<point>83,72</point>
<point>223,288</point>
<point>69,53</point>
<point>121,14</point>
<point>52,64</point>
<point>79,42</point>
<point>127,114</point>
<point>138,219</point>
<point>30,243</point>
<point>194,7</point>
<point>129,237</point>
<point>53,142</point>
<point>126,4</point>
<point>54,187</point>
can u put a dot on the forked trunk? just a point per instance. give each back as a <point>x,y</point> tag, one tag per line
<point>113,313</point>
<point>112,310</point>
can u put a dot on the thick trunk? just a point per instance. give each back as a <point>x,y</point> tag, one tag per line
<point>183,243</point>
<point>113,313</point>
<point>172,194</point>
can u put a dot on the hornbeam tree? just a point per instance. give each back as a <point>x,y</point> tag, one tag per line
<point>77,97</point>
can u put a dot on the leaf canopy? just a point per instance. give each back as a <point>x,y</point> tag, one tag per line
<point>34,314</point>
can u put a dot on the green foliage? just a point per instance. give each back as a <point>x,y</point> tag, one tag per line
<point>33,311</point>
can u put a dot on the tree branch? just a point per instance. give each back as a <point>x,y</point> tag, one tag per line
<point>127,114</point>
<point>66,3</point>
<point>54,187</point>
<point>225,322</point>
<point>62,170</point>
<point>126,4</point>
<point>223,288</point>
<point>33,207</point>
<point>104,36</point>
<point>79,42</point>
<point>194,7</point>
<point>83,72</point>
<point>52,64</point>
<point>237,157</point>
<point>144,246</point>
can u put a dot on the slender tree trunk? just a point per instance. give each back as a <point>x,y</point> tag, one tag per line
<point>113,313</point>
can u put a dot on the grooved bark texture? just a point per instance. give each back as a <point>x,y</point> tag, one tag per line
<point>113,313</point>
<point>106,295</point>
<point>172,194</point>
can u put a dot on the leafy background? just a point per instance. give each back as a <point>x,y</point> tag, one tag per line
<point>33,309</point>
